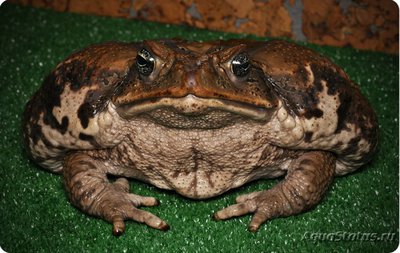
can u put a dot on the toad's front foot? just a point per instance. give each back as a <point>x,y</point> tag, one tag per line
<point>303,187</point>
<point>265,205</point>
<point>89,190</point>
<point>116,205</point>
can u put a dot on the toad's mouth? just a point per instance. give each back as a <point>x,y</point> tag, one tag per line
<point>191,111</point>
<point>193,106</point>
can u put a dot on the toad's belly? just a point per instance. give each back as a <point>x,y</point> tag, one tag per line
<point>198,164</point>
<point>199,184</point>
<point>202,181</point>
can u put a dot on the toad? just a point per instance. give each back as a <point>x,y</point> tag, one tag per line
<point>199,118</point>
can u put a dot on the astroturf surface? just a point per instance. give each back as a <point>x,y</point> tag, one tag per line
<point>35,215</point>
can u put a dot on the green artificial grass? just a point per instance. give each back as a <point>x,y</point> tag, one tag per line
<point>35,215</point>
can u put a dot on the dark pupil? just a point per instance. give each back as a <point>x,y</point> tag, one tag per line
<point>145,62</point>
<point>141,61</point>
<point>241,65</point>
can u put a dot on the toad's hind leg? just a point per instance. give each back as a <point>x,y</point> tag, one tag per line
<point>303,187</point>
<point>89,189</point>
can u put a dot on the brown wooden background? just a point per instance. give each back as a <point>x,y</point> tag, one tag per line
<point>363,24</point>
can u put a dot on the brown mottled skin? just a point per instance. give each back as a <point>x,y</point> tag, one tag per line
<point>200,119</point>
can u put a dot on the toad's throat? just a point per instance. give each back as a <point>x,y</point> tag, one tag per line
<point>193,106</point>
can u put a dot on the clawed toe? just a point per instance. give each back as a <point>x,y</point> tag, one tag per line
<point>118,227</point>
<point>122,208</point>
<point>139,216</point>
<point>236,210</point>
<point>260,204</point>
<point>138,200</point>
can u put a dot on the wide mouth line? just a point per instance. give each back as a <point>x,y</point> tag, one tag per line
<point>151,100</point>
<point>153,103</point>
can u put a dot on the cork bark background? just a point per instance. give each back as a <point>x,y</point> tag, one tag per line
<point>363,24</point>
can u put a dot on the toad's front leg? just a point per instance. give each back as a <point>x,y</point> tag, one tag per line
<point>89,189</point>
<point>304,185</point>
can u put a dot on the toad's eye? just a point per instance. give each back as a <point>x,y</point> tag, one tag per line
<point>145,62</point>
<point>240,65</point>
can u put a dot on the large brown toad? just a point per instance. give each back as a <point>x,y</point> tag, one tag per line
<point>200,119</point>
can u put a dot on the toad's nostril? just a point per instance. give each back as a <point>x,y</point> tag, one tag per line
<point>190,81</point>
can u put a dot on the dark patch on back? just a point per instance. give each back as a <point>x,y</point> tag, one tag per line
<point>313,113</point>
<point>84,113</point>
<point>89,138</point>
<point>92,66</point>
<point>36,133</point>
<point>85,137</point>
<point>51,91</point>
<point>48,97</point>
<point>353,109</point>
<point>336,84</point>
<point>302,101</point>
<point>302,74</point>
<point>342,111</point>
<point>299,99</point>
<point>50,120</point>
<point>307,136</point>
<point>352,145</point>
<point>109,84</point>
<point>76,72</point>
<point>43,101</point>
<point>95,102</point>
